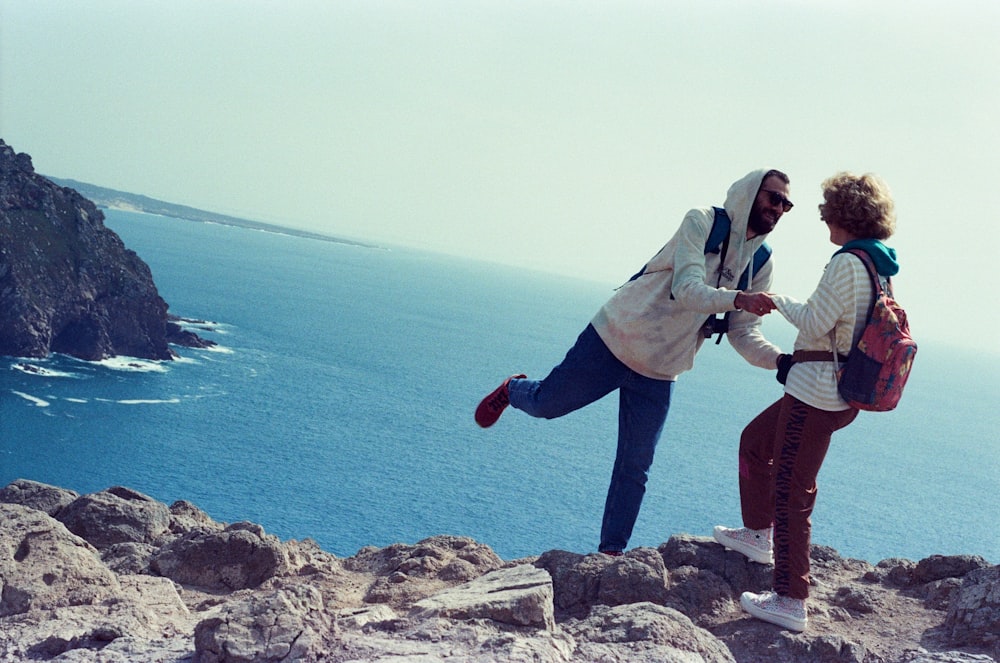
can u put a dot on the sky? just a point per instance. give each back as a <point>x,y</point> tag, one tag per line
<point>565,136</point>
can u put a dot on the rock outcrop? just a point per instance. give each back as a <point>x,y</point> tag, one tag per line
<point>118,577</point>
<point>67,282</point>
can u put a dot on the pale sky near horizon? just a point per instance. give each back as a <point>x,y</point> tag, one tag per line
<point>564,136</point>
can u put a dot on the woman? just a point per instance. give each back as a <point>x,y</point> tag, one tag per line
<point>782,449</point>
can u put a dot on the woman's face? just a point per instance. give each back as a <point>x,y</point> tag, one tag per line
<point>838,235</point>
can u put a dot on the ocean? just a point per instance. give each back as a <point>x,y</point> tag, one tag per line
<point>338,406</point>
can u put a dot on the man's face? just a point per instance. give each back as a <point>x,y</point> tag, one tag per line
<point>771,202</point>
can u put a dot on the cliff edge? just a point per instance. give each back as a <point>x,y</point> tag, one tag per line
<point>117,576</point>
<point>67,282</point>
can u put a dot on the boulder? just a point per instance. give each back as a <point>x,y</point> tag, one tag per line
<point>582,581</point>
<point>404,574</point>
<point>649,633</point>
<point>116,515</point>
<point>240,556</point>
<point>638,576</point>
<point>705,554</point>
<point>939,567</point>
<point>576,579</point>
<point>43,497</point>
<point>272,627</point>
<point>186,517</point>
<point>893,572</point>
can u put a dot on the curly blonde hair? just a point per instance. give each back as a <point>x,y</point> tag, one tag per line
<point>860,204</point>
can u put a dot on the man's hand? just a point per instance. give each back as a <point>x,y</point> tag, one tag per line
<point>758,303</point>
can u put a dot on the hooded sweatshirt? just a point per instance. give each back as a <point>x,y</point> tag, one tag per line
<point>835,314</point>
<point>653,323</point>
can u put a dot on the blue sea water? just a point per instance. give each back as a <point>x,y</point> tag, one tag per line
<point>338,406</point>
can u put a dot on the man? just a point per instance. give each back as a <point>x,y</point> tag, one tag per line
<point>648,333</point>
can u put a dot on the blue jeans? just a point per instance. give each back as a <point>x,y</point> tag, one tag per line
<point>588,373</point>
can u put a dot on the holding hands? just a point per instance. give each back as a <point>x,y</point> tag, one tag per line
<point>758,303</point>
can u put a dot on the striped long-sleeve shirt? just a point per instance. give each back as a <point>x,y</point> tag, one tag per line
<point>840,302</point>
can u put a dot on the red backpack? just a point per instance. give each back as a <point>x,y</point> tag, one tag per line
<point>877,367</point>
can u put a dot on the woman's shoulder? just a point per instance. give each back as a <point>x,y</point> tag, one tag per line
<point>845,273</point>
<point>846,263</point>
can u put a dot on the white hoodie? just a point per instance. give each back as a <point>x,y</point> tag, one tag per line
<point>653,323</point>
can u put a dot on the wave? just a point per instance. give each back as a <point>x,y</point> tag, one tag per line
<point>139,401</point>
<point>207,326</point>
<point>35,369</point>
<point>219,348</point>
<point>40,402</point>
<point>133,364</point>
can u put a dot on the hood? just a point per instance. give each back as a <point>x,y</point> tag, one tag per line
<point>883,256</point>
<point>739,200</point>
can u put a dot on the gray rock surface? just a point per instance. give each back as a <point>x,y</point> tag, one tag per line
<point>44,566</point>
<point>974,609</point>
<point>143,582</point>
<point>520,596</point>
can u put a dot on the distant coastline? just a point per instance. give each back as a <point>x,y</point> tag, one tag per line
<point>132,202</point>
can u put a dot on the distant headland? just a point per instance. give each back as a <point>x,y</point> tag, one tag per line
<point>121,200</point>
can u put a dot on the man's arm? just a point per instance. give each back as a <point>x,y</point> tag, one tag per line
<point>689,285</point>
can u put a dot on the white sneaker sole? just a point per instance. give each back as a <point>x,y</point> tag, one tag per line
<point>748,551</point>
<point>791,623</point>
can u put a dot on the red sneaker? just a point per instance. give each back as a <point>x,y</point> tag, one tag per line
<point>491,407</point>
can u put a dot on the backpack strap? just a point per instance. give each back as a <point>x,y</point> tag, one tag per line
<point>815,355</point>
<point>876,291</point>
<point>760,256</point>
<point>873,274</point>
<point>718,242</point>
<point>718,236</point>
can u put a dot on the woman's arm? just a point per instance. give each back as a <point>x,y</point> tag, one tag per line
<point>832,300</point>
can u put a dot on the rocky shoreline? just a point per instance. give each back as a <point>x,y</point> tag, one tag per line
<point>117,576</point>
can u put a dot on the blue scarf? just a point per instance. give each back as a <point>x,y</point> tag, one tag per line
<point>883,256</point>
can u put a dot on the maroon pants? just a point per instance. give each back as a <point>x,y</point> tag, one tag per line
<point>781,452</point>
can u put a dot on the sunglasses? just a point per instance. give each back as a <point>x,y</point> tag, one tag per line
<point>776,198</point>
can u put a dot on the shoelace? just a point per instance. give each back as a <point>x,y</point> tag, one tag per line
<point>500,401</point>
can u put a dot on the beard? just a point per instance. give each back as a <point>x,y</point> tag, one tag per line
<point>760,224</point>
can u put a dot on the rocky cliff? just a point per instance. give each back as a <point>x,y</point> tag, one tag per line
<point>116,576</point>
<point>67,282</point>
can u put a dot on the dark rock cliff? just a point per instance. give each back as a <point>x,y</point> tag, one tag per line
<point>68,284</point>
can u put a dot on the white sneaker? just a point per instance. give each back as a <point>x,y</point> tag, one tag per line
<point>754,543</point>
<point>781,610</point>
